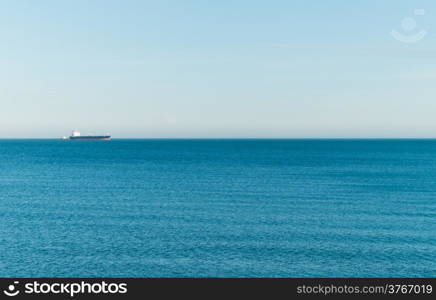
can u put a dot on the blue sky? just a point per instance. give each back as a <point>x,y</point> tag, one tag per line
<point>217,69</point>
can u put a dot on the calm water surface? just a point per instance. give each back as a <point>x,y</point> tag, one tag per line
<point>227,208</point>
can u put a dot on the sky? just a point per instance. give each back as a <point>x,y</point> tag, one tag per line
<point>217,69</point>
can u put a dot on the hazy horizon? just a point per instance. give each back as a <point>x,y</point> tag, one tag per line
<point>233,69</point>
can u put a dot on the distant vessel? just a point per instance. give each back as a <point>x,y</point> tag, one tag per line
<point>75,135</point>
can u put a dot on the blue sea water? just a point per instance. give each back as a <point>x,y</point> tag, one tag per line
<point>218,208</point>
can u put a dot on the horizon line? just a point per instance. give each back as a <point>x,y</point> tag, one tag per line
<point>234,138</point>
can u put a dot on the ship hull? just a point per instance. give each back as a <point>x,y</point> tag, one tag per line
<point>90,138</point>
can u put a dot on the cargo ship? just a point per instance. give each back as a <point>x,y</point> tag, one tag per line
<point>75,135</point>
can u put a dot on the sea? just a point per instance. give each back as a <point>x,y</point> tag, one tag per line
<point>218,208</point>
